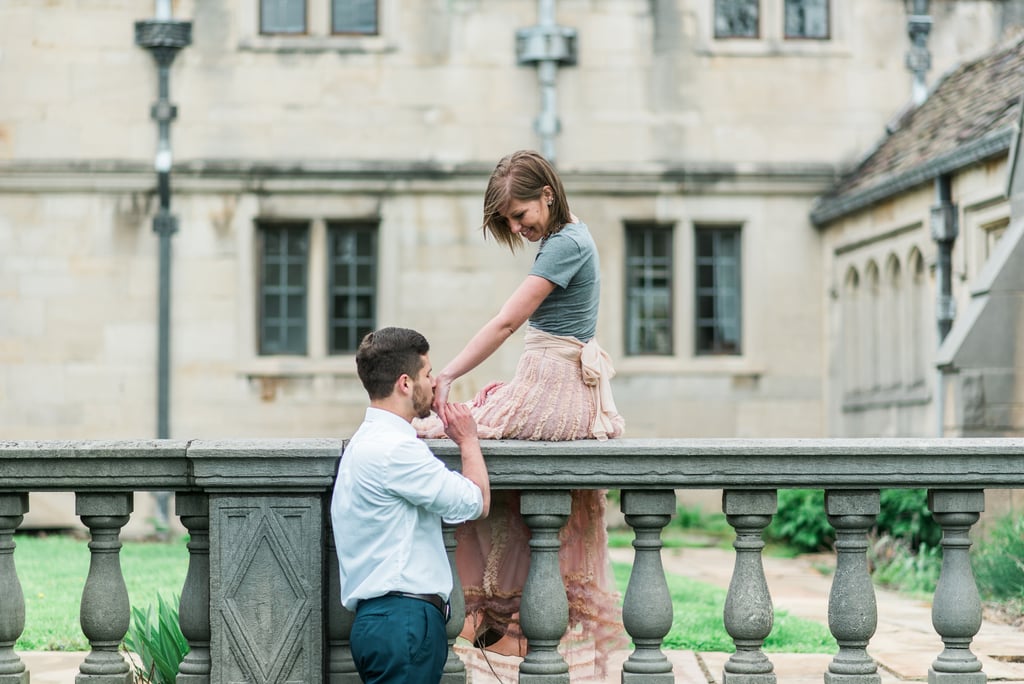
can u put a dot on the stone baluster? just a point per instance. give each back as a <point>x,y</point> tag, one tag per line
<point>105,611</point>
<point>12,601</point>
<point>748,605</point>
<point>194,606</point>
<point>852,611</point>
<point>340,668</point>
<point>544,611</point>
<point>956,609</point>
<point>647,606</point>
<point>454,668</point>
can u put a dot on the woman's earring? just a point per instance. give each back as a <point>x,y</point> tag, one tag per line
<point>549,202</point>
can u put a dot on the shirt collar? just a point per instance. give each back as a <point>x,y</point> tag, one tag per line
<point>393,420</point>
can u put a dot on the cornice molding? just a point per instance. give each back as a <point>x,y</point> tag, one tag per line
<point>391,177</point>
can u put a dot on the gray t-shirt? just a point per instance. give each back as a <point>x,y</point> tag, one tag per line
<point>569,259</point>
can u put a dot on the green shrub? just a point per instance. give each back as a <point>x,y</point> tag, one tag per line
<point>801,520</point>
<point>696,518</point>
<point>156,638</point>
<point>895,566</point>
<point>998,560</point>
<point>905,515</point>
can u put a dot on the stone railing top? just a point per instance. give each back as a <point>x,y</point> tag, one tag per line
<point>310,464</point>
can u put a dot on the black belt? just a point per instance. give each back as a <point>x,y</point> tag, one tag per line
<point>432,599</point>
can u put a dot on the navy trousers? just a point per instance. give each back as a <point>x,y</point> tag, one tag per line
<point>399,640</point>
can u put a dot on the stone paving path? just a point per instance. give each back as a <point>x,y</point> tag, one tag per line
<point>904,645</point>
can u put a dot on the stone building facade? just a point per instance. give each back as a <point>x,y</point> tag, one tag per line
<point>329,160</point>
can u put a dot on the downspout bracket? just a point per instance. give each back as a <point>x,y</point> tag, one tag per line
<point>536,44</point>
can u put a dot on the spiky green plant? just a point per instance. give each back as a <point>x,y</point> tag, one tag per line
<point>157,642</point>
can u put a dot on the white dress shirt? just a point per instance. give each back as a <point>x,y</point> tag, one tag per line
<point>389,499</point>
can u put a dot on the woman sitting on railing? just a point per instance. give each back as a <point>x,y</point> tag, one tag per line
<point>560,391</point>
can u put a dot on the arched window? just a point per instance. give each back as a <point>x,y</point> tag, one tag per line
<point>850,332</point>
<point>894,324</point>
<point>871,318</point>
<point>917,350</point>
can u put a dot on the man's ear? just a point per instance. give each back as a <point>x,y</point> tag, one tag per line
<point>403,384</point>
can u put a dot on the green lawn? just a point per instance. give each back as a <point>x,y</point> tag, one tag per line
<point>53,569</point>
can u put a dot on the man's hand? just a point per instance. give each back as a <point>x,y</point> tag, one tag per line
<point>460,427</point>
<point>458,422</point>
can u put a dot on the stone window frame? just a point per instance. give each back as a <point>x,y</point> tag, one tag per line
<point>787,4</point>
<point>716,231</point>
<point>884,285</point>
<point>319,35</point>
<point>647,264</point>
<point>318,211</point>
<point>771,41</point>
<point>984,219</point>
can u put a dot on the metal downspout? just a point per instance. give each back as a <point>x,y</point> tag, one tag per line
<point>944,227</point>
<point>164,37</point>
<point>547,46</point>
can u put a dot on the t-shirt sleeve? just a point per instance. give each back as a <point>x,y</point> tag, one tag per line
<point>559,259</point>
<point>422,479</point>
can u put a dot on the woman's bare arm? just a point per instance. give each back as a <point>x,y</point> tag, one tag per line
<point>516,311</point>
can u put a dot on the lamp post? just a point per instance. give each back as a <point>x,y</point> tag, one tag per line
<point>164,37</point>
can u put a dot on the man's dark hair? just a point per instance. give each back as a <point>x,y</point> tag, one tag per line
<point>385,355</point>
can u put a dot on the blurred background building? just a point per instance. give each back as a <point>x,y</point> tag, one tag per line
<point>803,207</point>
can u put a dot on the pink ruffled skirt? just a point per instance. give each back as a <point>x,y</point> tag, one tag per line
<point>549,399</point>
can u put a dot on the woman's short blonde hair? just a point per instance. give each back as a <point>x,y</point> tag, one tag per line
<point>522,176</point>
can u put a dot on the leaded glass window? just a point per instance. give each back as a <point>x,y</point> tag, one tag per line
<point>718,290</point>
<point>352,287</point>
<point>283,278</point>
<point>648,289</point>
<point>807,19</point>
<point>282,16</point>
<point>737,18</point>
<point>354,16</point>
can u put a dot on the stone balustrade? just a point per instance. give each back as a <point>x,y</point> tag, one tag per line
<point>260,600</point>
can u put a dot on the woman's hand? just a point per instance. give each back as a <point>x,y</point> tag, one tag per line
<point>482,395</point>
<point>442,388</point>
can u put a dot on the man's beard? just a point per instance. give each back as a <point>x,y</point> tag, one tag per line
<point>421,403</point>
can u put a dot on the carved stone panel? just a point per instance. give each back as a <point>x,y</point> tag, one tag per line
<point>265,589</point>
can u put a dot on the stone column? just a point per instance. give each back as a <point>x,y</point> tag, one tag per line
<point>956,609</point>
<point>340,668</point>
<point>647,606</point>
<point>13,508</point>
<point>194,606</point>
<point>454,669</point>
<point>544,611</point>
<point>748,605</point>
<point>105,613</point>
<point>852,611</point>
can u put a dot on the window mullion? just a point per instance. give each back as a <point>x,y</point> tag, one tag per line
<point>317,303</point>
